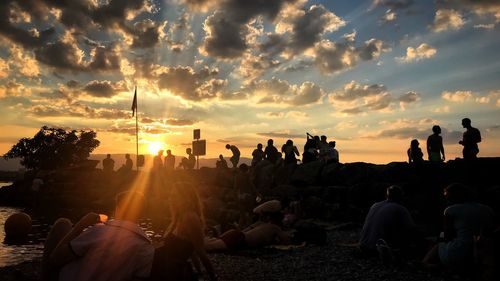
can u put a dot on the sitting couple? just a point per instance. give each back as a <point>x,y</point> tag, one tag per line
<point>120,250</point>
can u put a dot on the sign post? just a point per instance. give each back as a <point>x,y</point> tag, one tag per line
<point>199,146</point>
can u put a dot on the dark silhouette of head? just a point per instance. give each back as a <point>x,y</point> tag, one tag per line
<point>270,142</point>
<point>243,168</point>
<point>188,151</point>
<point>332,144</point>
<point>457,193</point>
<point>394,193</point>
<point>316,138</point>
<point>436,129</point>
<point>466,123</point>
<point>169,152</point>
<point>323,138</point>
<point>289,142</point>
<point>127,156</point>
<point>414,143</point>
<point>108,155</point>
<point>228,146</point>
<point>259,146</point>
<point>160,152</point>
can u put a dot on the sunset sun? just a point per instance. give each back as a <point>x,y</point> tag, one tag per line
<point>155,146</point>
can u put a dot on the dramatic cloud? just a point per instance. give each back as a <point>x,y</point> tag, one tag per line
<point>331,57</point>
<point>276,91</point>
<point>192,85</point>
<point>457,96</point>
<point>24,62</point>
<point>482,8</point>
<point>423,51</point>
<point>4,68</point>
<point>179,122</point>
<point>447,19</point>
<point>357,98</point>
<point>104,89</point>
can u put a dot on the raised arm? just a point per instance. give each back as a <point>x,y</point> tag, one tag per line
<point>63,253</point>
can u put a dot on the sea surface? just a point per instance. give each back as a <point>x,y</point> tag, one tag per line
<point>12,253</point>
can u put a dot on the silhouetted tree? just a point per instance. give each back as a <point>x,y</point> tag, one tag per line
<point>53,148</point>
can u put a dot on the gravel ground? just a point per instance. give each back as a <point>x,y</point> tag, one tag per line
<point>329,262</point>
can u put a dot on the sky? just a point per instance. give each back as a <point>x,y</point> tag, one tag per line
<point>371,75</point>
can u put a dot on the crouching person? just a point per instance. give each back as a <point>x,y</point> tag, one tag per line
<point>388,225</point>
<point>93,250</point>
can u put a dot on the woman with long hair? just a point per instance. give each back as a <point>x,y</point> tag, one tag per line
<point>184,238</point>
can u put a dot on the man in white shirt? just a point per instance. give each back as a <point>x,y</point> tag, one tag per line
<point>94,250</point>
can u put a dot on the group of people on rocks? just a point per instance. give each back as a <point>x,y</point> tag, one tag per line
<point>435,148</point>
<point>108,164</point>
<point>316,148</point>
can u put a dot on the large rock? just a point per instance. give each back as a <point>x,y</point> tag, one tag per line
<point>307,174</point>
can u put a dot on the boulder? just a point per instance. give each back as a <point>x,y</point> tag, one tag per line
<point>17,225</point>
<point>306,174</point>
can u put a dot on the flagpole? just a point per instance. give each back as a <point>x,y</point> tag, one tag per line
<point>136,134</point>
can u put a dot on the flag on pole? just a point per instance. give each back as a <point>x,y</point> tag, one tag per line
<point>134,103</point>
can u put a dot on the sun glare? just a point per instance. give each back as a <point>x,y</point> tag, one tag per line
<point>155,146</point>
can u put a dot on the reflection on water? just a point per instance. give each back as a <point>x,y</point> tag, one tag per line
<point>32,247</point>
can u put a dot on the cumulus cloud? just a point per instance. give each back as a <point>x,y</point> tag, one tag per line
<point>104,89</point>
<point>485,9</point>
<point>332,57</point>
<point>24,62</point>
<point>446,19</point>
<point>389,16</point>
<point>457,96</point>
<point>357,98</point>
<point>276,91</point>
<point>423,51</point>
<point>190,84</point>
<point>4,68</point>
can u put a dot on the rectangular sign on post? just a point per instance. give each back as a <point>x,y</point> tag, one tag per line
<point>199,147</point>
<point>196,134</point>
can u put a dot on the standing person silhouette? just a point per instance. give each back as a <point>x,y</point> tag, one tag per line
<point>271,152</point>
<point>470,139</point>
<point>169,161</point>
<point>257,155</point>
<point>435,148</point>
<point>236,155</point>
<point>290,152</point>
<point>157,161</point>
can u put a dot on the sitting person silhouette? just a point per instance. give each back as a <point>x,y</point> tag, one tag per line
<point>188,163</point>
<point>435,148</point>
<point>332,155</point>
<point>388,220</point>
<point>221,163</point>
<point>415,154</point>
<point>470,139</point>
<point>127,167</point>
<point>464,220</point>
<point>108,164</point>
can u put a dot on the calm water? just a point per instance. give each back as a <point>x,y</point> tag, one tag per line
<point>32,247</point>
